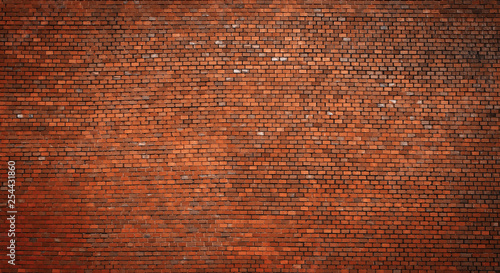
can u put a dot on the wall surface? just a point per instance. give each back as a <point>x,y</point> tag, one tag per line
<point>250,136</point>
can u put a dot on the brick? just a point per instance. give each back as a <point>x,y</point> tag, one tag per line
<point>297,136</point>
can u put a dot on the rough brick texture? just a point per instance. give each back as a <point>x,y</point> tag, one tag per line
<point>251,136</point>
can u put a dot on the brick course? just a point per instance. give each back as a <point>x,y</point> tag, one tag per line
<point>251,136</point>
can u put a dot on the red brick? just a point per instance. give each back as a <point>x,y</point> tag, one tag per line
<point>292,136</point>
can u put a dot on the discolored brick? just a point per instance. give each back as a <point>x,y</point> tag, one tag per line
<point>256,136</point>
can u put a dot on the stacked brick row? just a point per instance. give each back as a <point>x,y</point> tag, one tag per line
<point>251,136</point>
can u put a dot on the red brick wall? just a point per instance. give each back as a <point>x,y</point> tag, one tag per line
<point>255,136</point>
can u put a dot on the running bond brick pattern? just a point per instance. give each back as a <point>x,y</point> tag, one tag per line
<point>251,136</point>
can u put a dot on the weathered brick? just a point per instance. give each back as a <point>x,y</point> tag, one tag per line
<point>257,136</point>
